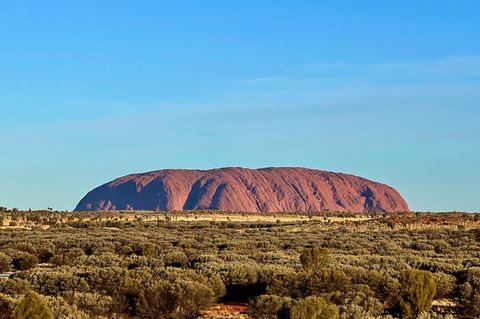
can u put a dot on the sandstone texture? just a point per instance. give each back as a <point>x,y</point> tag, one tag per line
<point>244,190</point>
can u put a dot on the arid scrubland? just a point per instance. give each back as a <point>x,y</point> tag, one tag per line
<point>233,265</point>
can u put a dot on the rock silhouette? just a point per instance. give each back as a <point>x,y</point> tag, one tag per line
<point>244,190</point>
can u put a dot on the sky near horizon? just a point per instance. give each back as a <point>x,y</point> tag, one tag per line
<point>93,90</point>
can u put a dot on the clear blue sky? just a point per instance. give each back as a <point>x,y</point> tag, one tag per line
<point>92,90</point>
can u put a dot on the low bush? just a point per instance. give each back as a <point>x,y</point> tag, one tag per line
<point>313,308</point>
<point>32,306</point>
<point>418,290</point>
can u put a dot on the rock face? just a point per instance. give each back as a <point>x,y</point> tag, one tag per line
<point>245,190</point>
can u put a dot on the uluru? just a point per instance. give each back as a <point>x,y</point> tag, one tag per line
<point>244,190</point>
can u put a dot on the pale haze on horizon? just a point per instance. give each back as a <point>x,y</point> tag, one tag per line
<point>91,91</point>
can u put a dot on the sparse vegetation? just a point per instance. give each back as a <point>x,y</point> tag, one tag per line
<point>178,265</point>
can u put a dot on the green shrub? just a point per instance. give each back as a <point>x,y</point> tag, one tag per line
<point>286,284</point>
<point>358,305</point>
<point>315,258</point>
<point>24,261</point>
<point>66,257</point>
<point>14,286</point>
<point>272,307</point>
<point>156,301</point>
<point>216,284</point>
<point>181,299</point>
<point>93,303</point>
<point>54,282</point>
<point>418,290</point>
<point>45,254</point>
<point>176,259</point>
<point>32,306</point>
<point>445,285</point>
<point>470,292</point>
<point>325,281</point>
<point>62,310</point>
<point>5,262</point>
<point>7,306</point>
<point>314,308</point>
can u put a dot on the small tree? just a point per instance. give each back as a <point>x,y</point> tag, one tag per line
<point>418,290</point>
<point>314,308</point>
<point>315,258</point>
<point>5,262</point>
<point>32,306</point>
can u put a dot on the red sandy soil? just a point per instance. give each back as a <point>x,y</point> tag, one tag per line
<point>237,311</point>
